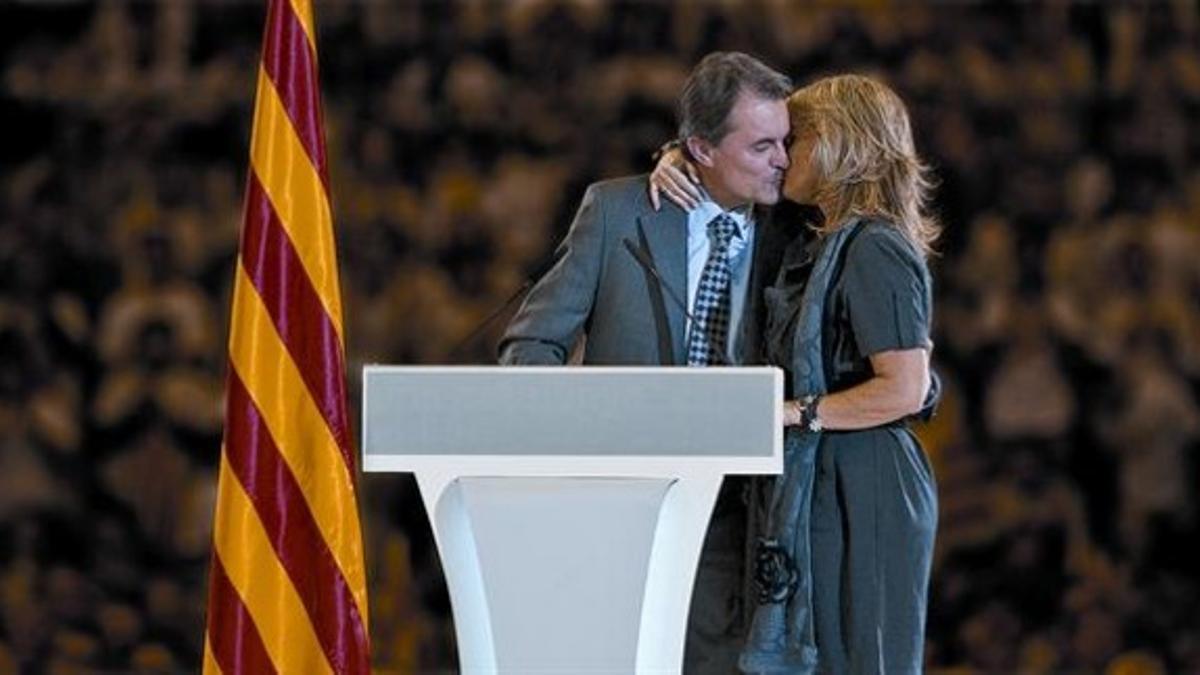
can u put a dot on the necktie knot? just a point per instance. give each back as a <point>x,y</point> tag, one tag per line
<point>720,231</point>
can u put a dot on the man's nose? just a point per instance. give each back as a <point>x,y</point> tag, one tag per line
<point>780,158</point>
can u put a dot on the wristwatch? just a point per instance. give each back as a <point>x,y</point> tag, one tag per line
<point>809,419</point>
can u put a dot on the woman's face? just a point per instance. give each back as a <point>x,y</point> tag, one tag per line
<point>800,181</point>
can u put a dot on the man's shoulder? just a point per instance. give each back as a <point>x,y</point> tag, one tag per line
<point>628,191</point>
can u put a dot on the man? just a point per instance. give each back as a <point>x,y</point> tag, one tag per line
<point>626,270</point>
<point>733,121</point>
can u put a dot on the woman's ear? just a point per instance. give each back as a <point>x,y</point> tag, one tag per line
<point>700,150</point>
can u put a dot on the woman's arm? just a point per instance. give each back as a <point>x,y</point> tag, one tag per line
<point>889,303</point>
<point>896,391</point>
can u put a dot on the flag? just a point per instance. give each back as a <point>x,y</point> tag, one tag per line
<point>287,585</point>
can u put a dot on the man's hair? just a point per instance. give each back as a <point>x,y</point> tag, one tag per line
<point>713,88</point>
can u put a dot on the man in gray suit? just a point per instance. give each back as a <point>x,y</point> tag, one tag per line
<point>625,272</point>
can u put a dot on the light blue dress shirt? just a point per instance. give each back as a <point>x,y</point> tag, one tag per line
<point>741,251</point>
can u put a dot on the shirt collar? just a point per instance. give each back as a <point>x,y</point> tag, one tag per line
<point>742,216</point>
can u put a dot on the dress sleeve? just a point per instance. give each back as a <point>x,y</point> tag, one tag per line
<point>887,292</point>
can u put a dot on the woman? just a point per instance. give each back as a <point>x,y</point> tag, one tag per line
<point>849,319</point>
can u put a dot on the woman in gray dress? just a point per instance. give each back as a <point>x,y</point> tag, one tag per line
<point>843,566</point>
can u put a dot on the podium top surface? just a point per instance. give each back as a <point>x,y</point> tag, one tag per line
<point>562,419</point>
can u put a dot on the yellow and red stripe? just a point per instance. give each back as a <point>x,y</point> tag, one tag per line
<point>287,584</point>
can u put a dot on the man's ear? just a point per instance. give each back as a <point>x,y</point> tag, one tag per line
<point>700,150</point>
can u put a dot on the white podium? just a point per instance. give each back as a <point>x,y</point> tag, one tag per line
<point>569,505</point>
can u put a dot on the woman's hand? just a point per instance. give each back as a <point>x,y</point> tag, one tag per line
<point>677,178</point>
<point>793,413</point>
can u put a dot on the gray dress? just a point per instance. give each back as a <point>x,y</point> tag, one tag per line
<point>874,504</point>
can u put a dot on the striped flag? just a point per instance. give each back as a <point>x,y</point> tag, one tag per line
<point>288,590</point>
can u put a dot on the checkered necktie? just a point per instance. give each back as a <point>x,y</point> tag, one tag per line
<point>710,315</point>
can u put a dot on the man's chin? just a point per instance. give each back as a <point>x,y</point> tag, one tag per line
<point>800,200</point>
<point>769,198</point>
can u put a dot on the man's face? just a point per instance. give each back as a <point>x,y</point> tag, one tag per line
<point>747,165</point>
<point>800,184</point>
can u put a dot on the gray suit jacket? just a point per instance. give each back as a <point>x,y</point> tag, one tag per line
<point>598,288</point>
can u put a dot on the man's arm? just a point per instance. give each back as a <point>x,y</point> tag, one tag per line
<point>553,315</point>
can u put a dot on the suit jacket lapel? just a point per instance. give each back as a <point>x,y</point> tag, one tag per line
<point>664,234</point>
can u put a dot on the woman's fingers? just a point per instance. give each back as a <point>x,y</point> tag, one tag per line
<point>676,178</point>
<point>658,183</point>
<point>669,181</point>
<point>683,199</point>
<point>680,188</point>
<point>688,181</point>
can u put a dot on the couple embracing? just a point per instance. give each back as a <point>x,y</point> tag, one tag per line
<point>825,569</point>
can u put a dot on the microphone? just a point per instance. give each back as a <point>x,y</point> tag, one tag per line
<point>647,264</point>
<point>545,265</point>
<point>542,268</point>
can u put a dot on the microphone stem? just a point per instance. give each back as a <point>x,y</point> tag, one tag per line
<point>470,337</point>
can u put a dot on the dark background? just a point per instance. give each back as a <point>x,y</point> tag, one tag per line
<point>461,136</point>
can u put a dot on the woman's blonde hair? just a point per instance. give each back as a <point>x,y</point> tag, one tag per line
<point>863,157</point>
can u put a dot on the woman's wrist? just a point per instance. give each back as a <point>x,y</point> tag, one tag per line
<point>673,144</point>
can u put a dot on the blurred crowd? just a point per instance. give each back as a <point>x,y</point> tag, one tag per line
<point>461,136</point>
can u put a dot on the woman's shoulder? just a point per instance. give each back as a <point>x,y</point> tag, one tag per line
<point>880,242</point>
